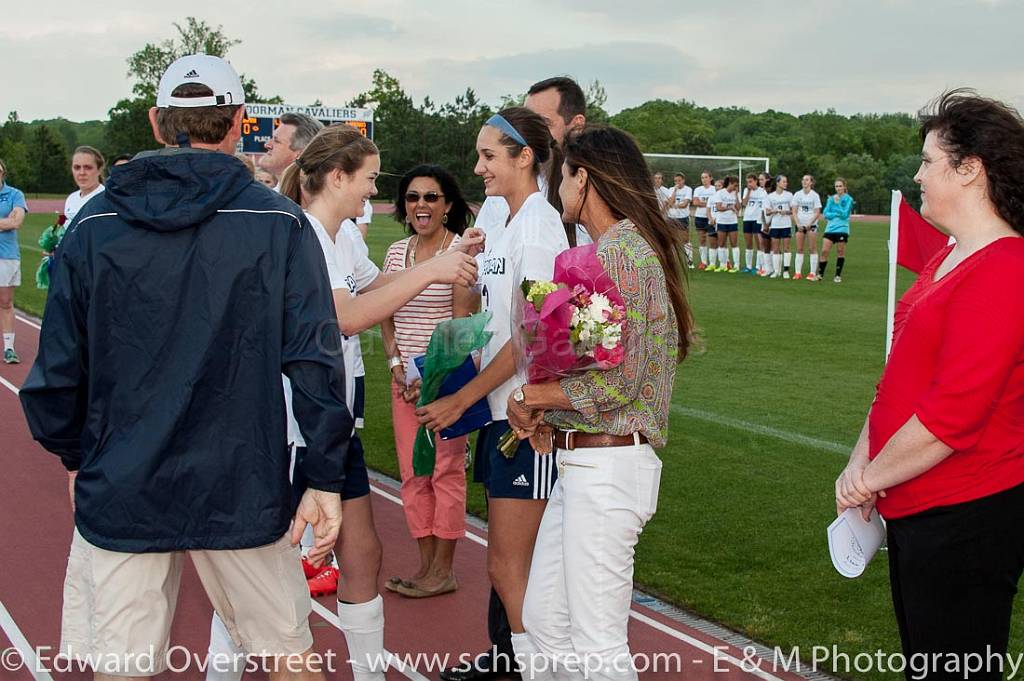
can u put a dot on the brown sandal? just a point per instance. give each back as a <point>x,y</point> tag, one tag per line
<point>412,591</point>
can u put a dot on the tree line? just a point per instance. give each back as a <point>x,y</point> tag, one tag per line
<point>873,152</point>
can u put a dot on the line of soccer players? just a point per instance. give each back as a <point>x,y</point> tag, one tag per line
<point>771,215</point>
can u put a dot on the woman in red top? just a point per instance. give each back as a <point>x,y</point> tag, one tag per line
<point>942,452</point>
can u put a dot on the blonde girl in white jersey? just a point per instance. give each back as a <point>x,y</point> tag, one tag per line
<point>806,213</point>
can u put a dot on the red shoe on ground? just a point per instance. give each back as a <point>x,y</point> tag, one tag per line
<point>325,582</point>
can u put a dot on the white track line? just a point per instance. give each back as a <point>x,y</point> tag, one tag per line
<point>10,386</point>
<point>332,617</point>
<point>28,321</point>
<point>640,617</point>
<point>18,640</point>
<point>717,653</point>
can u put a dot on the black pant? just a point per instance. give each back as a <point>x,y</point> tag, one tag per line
<point>954,572</point>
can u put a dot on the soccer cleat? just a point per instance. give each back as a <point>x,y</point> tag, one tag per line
<point>797,276</point>
<point>775,275</point>
<point>11,357</point>
<point>838,279</point>
<point>702,266</point>
<point>785,275</point>
<point>811,276</point>
<point>762,273</point>
<point>711,268</point>
<point>324,583</point>
<point>733,270</point>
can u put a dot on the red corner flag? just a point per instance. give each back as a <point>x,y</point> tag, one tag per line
<point>918,240</point>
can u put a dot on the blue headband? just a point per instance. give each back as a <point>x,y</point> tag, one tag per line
<point>498,121</point>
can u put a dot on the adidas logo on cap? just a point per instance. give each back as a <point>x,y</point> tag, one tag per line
<point>521,481</point>
<point>192,74</point>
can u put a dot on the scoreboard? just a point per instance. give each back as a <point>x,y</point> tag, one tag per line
<point>262,119</point>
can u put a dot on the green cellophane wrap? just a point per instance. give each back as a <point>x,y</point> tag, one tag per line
<point>450,344</point>
<point>48,241</point>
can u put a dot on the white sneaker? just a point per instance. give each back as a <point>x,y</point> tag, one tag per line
<point>838,279</point>
<point>785,274</point>
<point>774,275</point>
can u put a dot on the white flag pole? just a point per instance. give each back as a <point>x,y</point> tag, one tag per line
<point>894,238</point>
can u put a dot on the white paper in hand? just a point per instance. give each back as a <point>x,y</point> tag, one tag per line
<point>852,543</point>
<point>412,372</point>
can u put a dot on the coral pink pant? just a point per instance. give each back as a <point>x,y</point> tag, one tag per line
<point>434,505</point>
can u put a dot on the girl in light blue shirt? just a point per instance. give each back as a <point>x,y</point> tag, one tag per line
<point>837,211</point>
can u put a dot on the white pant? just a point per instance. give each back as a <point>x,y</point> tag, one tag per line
<point>581,579</point>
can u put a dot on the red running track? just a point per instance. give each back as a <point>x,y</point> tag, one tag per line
<point>37,531</point>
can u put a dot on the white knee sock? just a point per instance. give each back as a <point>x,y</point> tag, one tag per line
<point>799,262</point>
<point>750,259</point>
<point>787,258</point>
<point>363,627</point>
<point>776,262</point>
<point>226,661</point>
<point>814,263</point>
<point>723,256</point>
<point>8,341</point>
<point>530,659</point>
<point>704,254</point>
<point>712,256</point>
<point>736,256</point>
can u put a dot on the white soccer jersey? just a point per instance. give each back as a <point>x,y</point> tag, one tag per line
<point>755,204</point>
<point>806,203</point>
<point>662,193</point>
<point>780,204</point>
<point>337,281</point>
<point>705,194</point>
<point>75,201</point>
<point>682,195</point>
<point>727,200</point>
<point>524,249</point>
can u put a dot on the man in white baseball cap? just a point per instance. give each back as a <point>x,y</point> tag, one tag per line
<point>178,296</point>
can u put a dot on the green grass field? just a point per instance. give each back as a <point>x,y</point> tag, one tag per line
<point>739,536</point>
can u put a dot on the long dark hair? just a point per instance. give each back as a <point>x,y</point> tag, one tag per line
<point>534,130</point>
<point>617,171</point>
<point>968,124</point>
<point>459,215</point>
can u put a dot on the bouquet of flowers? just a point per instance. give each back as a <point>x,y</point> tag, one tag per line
<point>48,241</point>
<point>573,323</point>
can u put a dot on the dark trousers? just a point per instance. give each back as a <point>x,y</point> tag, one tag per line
<point>954,572</point>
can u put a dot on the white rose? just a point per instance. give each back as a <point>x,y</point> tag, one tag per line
<point>612,336</point>
<point>599,305</point>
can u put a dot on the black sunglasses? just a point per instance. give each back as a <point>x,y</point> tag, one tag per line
<point>429,197</point>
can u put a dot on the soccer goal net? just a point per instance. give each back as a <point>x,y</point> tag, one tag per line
<point>692,166</point>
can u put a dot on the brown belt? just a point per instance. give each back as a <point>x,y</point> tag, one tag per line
<point>573,439</point>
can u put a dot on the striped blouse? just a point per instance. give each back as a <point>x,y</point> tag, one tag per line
<point>636,395</point>
<point>415,322</point>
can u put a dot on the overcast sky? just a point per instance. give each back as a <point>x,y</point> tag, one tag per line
<point>67,58</point>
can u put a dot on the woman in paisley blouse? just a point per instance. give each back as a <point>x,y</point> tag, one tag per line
<point>607,424</point>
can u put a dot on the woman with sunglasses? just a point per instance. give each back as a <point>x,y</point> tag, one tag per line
<point>511,148</point>
<point>432,208</point>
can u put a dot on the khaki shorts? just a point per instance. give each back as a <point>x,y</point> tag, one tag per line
<point>118,607</point>
<point>10,273</point>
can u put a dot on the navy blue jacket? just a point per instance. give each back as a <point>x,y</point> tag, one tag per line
<point>179,297</point>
